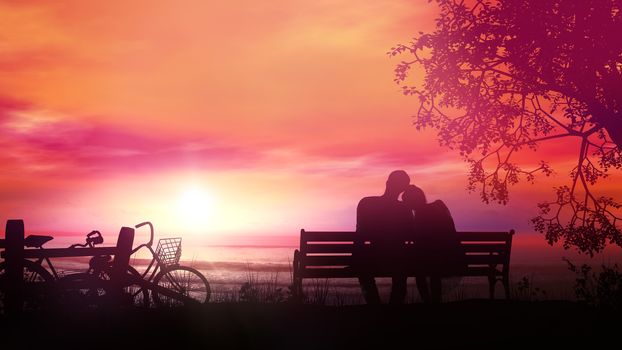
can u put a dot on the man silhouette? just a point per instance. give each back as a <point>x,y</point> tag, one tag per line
<point>383,224</point>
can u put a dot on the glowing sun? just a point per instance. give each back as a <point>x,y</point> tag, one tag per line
<point>194,208</point>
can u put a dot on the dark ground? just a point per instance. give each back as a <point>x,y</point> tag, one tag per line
<point>478,324</point>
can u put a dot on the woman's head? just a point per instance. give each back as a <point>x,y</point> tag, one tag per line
<point>414,197</point>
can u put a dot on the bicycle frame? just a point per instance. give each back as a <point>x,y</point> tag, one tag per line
<point>154,257</point>
<point>156,266</point>
<point>90,243</point>
<point>39,262</point>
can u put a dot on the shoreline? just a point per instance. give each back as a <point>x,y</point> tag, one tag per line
<point>227,278</point>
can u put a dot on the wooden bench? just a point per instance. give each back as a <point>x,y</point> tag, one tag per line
<point>325,254</point>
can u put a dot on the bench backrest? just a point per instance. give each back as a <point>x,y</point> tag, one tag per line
<point>487,248</point>
<point>324,249</point>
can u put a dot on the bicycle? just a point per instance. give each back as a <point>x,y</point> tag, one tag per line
<point>92,288</point>
<point>187,284</point>
<point>165,280</point>
<point>168,282</point>
<point>39,283</point>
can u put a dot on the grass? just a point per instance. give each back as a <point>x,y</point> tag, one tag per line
<point>258,315</point>
<point>459,293</point>
<point>319,292</point>
<point>257,290</point>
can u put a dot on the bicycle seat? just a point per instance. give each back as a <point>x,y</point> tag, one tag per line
<point>34,241</point>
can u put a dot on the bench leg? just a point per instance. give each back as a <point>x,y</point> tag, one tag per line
<point>297,280</point>
<point>506,286</point>
<point>491,286</point>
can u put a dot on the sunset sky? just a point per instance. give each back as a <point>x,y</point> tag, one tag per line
<point>217,118</point>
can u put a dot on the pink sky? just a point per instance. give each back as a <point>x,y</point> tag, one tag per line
<point>273,116</point>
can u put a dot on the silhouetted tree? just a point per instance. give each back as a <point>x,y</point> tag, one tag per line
<point>503,76</point>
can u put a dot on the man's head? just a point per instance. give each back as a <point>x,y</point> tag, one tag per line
<point>396,183</point>
<point>414,198</point>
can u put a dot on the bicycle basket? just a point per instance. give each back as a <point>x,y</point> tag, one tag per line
<point>169,250</point>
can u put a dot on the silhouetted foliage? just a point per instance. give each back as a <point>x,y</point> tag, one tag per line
<point>525,290</point>
<point>603,289</point>
<point>504,76</point>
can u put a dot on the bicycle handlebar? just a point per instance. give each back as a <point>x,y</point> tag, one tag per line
<point>143,224</point>
<point>92,239</point>
<point>150,243</point>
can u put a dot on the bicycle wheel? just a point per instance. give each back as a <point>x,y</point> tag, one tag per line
<point>136,294</point>
<point>184,280</point>
<point>91,289</point>
<point>38,289</point>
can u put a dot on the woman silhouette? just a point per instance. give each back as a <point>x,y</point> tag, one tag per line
<point>437,246</point>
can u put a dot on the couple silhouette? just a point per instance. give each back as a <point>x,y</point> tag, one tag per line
<point>386,226</point>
